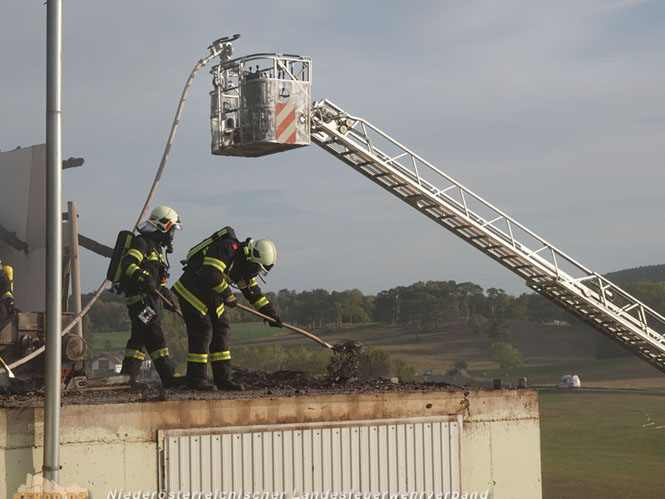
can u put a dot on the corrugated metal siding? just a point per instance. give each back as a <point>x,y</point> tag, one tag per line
<point>400,456</point>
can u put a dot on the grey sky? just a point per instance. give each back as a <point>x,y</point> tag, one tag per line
<point>552,111</point>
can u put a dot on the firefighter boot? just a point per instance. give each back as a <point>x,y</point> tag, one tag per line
<point>197,379</point>
<point>170,379</point>
<point>132,367</point>
<point>221,372</point>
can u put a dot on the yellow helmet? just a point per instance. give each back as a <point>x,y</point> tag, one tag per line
<point>9,270</point>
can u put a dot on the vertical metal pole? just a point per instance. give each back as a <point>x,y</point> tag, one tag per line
<point>76,275</point>
<point>51,465</point>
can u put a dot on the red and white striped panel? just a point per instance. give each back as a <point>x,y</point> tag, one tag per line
<point>286,122</point>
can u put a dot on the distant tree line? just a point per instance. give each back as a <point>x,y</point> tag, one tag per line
<point>423,306</point>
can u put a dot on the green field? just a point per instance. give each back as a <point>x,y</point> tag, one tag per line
<point>625,372</point>
<point>602,444</point>
<point>115,342</point>
<point>107,342</point>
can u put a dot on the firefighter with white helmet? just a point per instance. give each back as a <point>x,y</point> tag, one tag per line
<point>204,289</point>
<point>144,270</point>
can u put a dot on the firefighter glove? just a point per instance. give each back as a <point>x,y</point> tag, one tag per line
<point>145,282</point>
<point>230,301</point>
<point>276,321</point>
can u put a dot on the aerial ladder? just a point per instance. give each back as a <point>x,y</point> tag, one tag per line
<point>546,269</point>
<point>260,104</point>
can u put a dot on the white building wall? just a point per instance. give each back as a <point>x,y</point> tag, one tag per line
<point>116,447</point>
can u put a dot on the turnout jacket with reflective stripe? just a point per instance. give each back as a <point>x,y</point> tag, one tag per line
<point>207,286</point>
<point>5,286</point>
<point>145,258</point>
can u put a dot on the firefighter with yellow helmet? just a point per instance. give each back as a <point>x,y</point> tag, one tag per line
<point>7,305</point>
<point>204,289</point>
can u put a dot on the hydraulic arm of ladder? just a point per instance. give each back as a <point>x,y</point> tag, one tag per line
<point>545,269</point>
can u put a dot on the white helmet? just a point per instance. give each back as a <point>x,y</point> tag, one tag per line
<point>163,218</point>
<point>263,253</point>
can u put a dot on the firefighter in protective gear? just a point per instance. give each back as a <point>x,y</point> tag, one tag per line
<point>204,292</point>
<point>7,305</point>
<point>144,271</point>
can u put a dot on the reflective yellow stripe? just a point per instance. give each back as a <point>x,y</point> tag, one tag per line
<point>243,284</point>
<point>131,300</point>
<point>220,287</point>
<point>131,269</point>
<point>201,358</point>
<point>8,293</point>
<point>260,303</point>
<point>218,264</point>
<point>217,235</point>
<point>191,299</point>
<point>157,354</point>
<point>134,354</point>
<point>154,257</point>
<point>220,310</point>
<point>196,248</point>
<point>217,356</point>
<point>136,254</point>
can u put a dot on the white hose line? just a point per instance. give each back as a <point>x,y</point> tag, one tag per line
<point>144,211</point>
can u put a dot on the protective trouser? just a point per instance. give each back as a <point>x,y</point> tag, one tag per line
<point>221,372</point>
<point>208,337</point>
<point>152,337</point>
<point>4,315</point>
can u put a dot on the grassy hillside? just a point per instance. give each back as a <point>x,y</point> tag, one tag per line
<point>548,351</point>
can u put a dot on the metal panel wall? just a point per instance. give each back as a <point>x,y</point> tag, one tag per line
<point>407,455</point>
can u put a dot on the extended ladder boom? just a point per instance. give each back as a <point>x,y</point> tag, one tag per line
<point>545,269</point>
